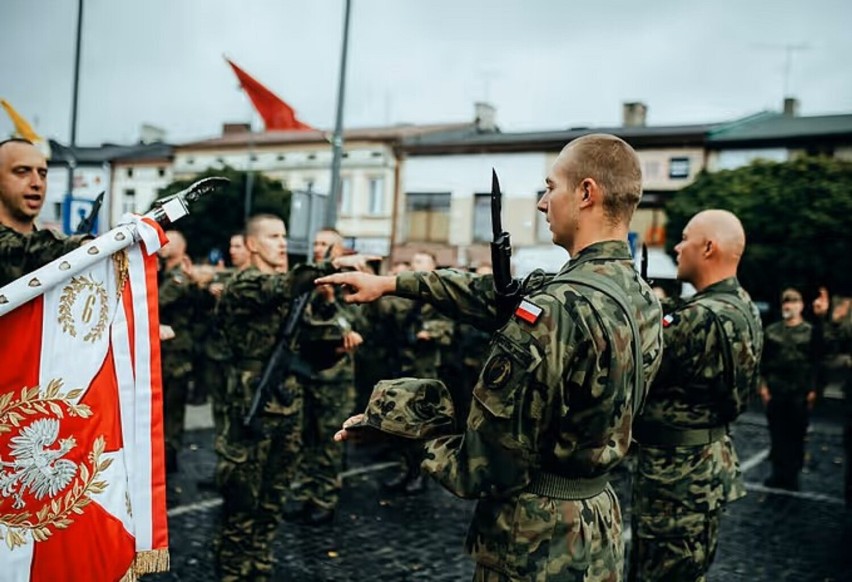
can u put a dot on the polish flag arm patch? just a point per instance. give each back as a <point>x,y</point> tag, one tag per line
<point>528,311</point>
<point>668,320</point>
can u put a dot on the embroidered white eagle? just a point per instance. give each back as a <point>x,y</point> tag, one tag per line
<point>35,467</point>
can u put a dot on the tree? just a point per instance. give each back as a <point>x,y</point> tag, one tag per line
<point>796,216</point>
<point>214,218</point>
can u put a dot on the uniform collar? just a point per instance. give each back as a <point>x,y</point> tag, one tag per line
<point>609,249</point>
<point>729,285</point>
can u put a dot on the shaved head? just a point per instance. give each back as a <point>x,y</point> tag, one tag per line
<point>710,250</point>
<point>174,250</point>
<point>723,228</point>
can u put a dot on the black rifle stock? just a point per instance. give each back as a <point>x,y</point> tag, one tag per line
<point>508,290</point>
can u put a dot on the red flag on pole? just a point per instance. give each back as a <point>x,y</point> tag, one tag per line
<point>82,483</point>
<point>276,114</point>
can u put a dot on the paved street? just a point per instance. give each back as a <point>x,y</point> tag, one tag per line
<point>768,536</point>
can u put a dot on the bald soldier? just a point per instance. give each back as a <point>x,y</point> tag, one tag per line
<point>553,406</point>
<point>687,468</point>
<point>23,189</point>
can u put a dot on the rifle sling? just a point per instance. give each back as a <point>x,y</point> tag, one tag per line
<point>607,287</point>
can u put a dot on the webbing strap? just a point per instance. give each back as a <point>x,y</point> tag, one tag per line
<point>607,287</point>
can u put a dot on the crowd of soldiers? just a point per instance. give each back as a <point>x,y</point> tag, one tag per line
<point>529,415</point>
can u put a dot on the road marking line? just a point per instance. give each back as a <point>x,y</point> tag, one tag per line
<point>198,506</point>
<point>217,501</point>
<point>807,495</point>
<point>754,461</point>
<point>368,469</point>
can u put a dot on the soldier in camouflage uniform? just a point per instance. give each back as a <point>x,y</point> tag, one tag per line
<point>553,407</point>
<point>254,471</point>
<point>833,334</point>
<point>177,298</point>
<point>23,188</point>
<point>687,468</point>
<point>328,338</point>
<point>788,389</point>
<point>215,345</point>
<point>421,336</point>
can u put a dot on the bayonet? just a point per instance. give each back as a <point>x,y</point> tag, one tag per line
<point>506,288</point>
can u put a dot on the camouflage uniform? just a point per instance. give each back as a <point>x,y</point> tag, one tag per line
<point>787,370</point>
<point>177,298</point>
<point>254,471</point>
<point>23,253</point>
<point>416,358</point>
<point>374,359</point>
<point>687,468</point>
<point>834,338</point>
<point>215,356</point>
<point>551,414</point>
<point>329,396</point>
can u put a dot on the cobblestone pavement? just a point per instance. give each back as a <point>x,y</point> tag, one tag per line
<point>768,536</point>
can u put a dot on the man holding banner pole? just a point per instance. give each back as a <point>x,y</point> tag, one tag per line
<point>82,484</point>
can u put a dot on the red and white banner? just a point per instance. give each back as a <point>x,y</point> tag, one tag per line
<point>82,480</point>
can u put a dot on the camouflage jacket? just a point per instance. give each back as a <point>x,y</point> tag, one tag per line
<point>413,356</point>
<point>323,326</point>
<point>178,297</point>
<point>833,337</point>
<point>713,344</point>
<point>251,311</point>
<point>554,396</point>
<point>23,253</point>
<point>787,363</point>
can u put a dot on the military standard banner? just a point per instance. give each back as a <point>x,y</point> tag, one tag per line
<point>82,481</point>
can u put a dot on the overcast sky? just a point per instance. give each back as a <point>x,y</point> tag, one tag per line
<point>543,64</point>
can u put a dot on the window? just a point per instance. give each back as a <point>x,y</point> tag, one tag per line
<point>427,216</point>
<point>161,172</point>
<point>346,196</point>
<point>678,168</point>
<point>376,205</point>
<point>57,210</point>
<point>280,157</point>
<point>482,218</point>
<point>129,172</point>
<point>542,229</point>
<point>309,185</point>
<point>312,156</point>
<point>128,202</point>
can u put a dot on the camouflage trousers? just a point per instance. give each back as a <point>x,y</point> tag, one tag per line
<point>177,372</point>
<point>254,473</point>
<point>329,400</point>
<point>673,548</point>
<point>539,539</point>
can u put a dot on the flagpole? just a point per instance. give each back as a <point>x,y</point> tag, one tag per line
<point>75,91</point>
<point>337,139</point>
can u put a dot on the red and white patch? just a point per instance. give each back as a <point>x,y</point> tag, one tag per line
<point>667,320</point>
<point>528,311</point>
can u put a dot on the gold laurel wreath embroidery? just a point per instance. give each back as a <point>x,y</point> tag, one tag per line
<point>57,513</point>
<point>66,302</point>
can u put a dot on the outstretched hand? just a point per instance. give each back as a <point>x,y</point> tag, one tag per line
<point>361,287</point>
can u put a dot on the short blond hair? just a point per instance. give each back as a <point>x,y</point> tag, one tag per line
<point>613,164</point>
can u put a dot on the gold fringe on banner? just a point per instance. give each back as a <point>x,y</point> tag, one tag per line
<point>151,561</point>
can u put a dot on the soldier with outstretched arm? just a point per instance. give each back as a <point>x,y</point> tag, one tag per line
<point>553,407</point>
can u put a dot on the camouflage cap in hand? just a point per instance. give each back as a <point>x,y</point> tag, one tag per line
<point>412,408</point>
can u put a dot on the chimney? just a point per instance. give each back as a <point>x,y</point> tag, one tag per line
<point>485,117</point>
<point>791,107</point>
<point>151,134</point>
<point>633,114</point>
<point>235,128</point>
